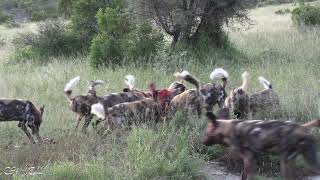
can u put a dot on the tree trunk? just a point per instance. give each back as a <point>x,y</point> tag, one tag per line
<point>211,29</point>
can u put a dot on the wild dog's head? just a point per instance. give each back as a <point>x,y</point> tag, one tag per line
<point>37,113</point>
<point>215,93</point>
<point>215,132</point>
<point>239,102</point>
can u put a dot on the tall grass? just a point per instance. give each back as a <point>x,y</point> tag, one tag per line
<point>288,57</point>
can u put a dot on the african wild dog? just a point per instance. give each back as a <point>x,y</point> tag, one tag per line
<point>206,96</point>
<point>129,113</point>
<point>252,138</point>
<point>25,112</point>
<point>81,104</point>
<point>262,105</point>
<point>152,107</point>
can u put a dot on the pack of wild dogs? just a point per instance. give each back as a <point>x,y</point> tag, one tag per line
<point>250,133</point>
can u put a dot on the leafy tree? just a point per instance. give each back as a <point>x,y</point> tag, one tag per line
<point>121,37</point>
<point>190,20</point>
<point>82,14</point>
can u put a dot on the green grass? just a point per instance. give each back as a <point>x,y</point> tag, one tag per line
<point>273,48</point>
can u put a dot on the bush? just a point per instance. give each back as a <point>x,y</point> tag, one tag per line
<point>83,18</point>
<point>52,39</point>
<point>34,10</point>
<point>145,41</point>
<point>119,39</point>
<point>105,50</point>
<point>306,15</point>
<point>4,17</point>
<point>282,11</point>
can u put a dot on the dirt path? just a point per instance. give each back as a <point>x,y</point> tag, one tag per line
<point>215,171</point>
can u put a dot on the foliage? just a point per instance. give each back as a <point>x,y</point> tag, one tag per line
<point>186,21</point>
<point>83,21</point>
<point>119,39</point>
<point>4,17</point>
<point>52,39</point>
<point>34,10</point>
<point>306,15</point>
<point>282,11</point>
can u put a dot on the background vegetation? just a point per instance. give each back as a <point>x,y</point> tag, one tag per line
<point>273,47</point>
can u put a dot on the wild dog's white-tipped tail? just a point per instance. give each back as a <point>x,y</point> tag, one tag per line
<point>245,81</point>
<point>182,75</point>
<point>93,84</point>
<point>71,84</point>
<point>130,81</point>
<point>219,73</point>
<point>266,84</point>
<point>98,110</point>
<point>185,75</point>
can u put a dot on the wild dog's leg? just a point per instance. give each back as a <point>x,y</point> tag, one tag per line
<point>286,167</point>
<point>96,123</point>
<point>23,126</point>
<point>39,137</point>
<point>79,117</point>
<point>199,111</point>
<point>87,121</point>
<point>249,164</point>
<point>310,155</point>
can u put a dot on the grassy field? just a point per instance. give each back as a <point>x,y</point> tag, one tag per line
<point>273,47</point>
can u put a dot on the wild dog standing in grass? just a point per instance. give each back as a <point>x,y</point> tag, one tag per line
<point>25,112</point>
<point>215,93</point>
<point>194,100</point>
<point>263,105</point>
<point>131,94</point>
<point>129,113</point>
<point>81,104</point>
<point>252,138</point>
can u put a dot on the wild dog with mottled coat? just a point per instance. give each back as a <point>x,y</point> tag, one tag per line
<point>131,94</point>
<point>81,104</point>
<point>262,105</point>
<point>193,101</point>
<point>128,113</point>
<point>252,138</point>
<point>25,112</point>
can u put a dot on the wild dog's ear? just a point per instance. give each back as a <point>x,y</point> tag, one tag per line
<point>212,118</point>
<point>41,110</point>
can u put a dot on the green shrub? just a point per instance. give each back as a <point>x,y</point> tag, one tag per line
<point>52,39</point>
<point>145,41</point>
<point>282,11</point>
<point>4,17</point>
<point>306,15</point>
<point>83,19</point>
<point>119,39</point>
<point>34,10</point>
<point>105,50</point>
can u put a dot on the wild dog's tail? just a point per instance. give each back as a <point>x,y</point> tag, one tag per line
<point>265,83</point>
<point>98,110</point>
<point>245,81</point>
<point>95,83</point>
<point>70,86</point>
<point>220,73</point>
<point>310,124</point>
<point>130,81</point>
<point>185,75</point>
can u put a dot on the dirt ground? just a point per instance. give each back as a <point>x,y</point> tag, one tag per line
<point>215,171</point>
